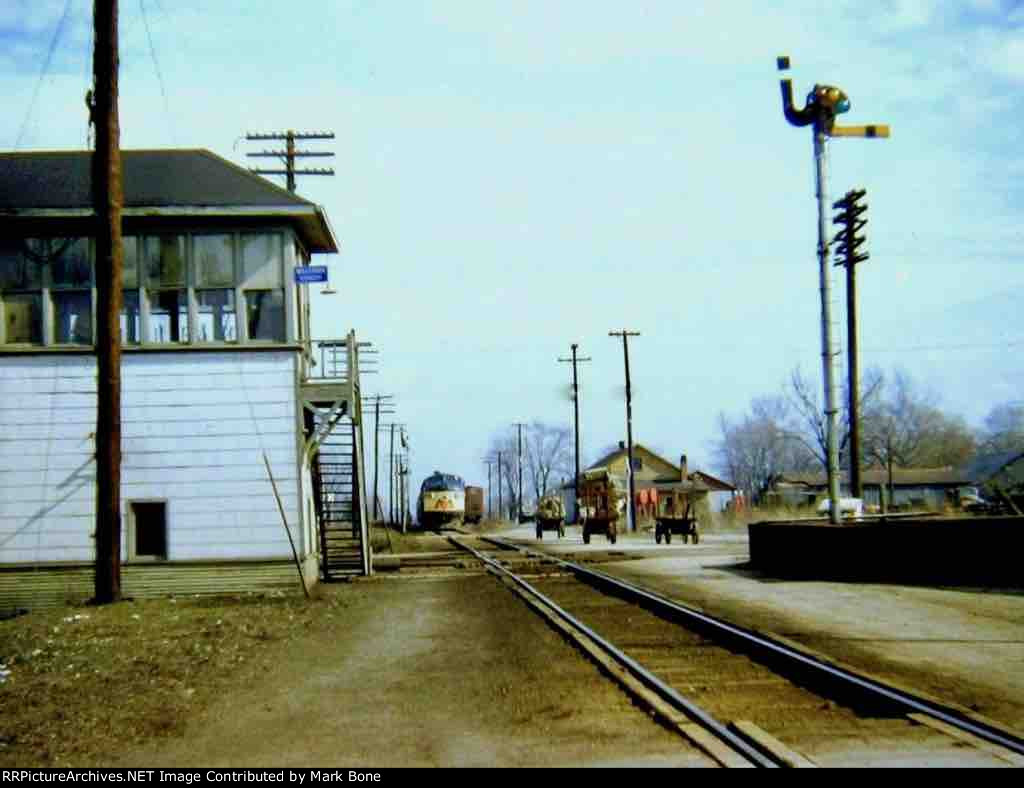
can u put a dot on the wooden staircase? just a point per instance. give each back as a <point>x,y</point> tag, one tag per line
<point>334,444</point>
<point>336,480</point>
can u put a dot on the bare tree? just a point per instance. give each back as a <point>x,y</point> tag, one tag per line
<point>755,449</point>
<point>908,429</point>
<point>504,443</point>
<point>548,456</point>
<point>1004,428</point>
<point>948,441</point>
<point>807,425</point>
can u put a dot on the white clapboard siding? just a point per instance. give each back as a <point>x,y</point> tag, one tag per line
<point>238,411</point>
<point>53,448</point>
<point>241,505</point>
<point>195,397</point>
<point>227,429</point>
<point>71,534</point>
<point>57,450</point>
<point>49,367</point>
<point>194,430</point>
<point>156,468</point>
<point>54,552</point>
<point>81,427</point>
<point>14,406</point>
<point>32,386</point>
<point>19,511</point>
<point>25,431</point>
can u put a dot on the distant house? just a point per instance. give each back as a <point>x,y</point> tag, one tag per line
<point>218,368</point>
<point>656,480</point>
<point>925,487</point>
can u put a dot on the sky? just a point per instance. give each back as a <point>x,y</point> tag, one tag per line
<point>515,177</point>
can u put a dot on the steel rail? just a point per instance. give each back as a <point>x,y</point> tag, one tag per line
<point>777,649</point>
<point>649,679</point>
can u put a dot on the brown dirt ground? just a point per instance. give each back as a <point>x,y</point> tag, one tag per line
<point>428,671</point>
<point>142,669</point>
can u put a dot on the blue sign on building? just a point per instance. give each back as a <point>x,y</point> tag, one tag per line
<point>310,273</point>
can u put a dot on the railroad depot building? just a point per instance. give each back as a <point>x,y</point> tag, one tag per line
<point>218,369</point>
<point>661,486</point>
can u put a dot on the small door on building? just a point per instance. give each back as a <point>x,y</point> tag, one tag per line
<point>147,534</point>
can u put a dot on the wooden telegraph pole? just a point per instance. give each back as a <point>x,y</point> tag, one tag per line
<point>519,496</point>
<point>631,509</point>
<point>848,255</point>
<point>489,462</point>
<point>576,426</point>
<point>290,154</point>
<point>501,516</point>
<point>107,203</point>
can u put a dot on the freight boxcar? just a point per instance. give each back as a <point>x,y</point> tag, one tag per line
<point>474,504</point>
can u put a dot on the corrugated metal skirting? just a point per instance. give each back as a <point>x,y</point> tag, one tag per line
<point>33,588</point>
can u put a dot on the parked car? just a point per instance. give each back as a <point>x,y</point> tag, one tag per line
<point>848,507</point>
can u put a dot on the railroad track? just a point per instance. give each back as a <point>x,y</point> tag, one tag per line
<point>743,698</point>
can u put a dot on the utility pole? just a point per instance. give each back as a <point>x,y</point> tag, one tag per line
<point>401,488</point>
<point>108,200</point>
<point>376,455</point>
<point>500,513</point>
<point>391,469</point>
<point>404,468</point>
<point>576,426</point>
<point>377,400</point>
<point>289,154</point>
<point>489,462</point>
<point>631,525</point>
<point>519,499</point>
<point>391,479</point>
<point>823,104</point>
<point>847,256</point>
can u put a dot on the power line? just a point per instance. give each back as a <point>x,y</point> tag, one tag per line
<point>45,71</point>
<point>159,76</point>
<point>927,348</point>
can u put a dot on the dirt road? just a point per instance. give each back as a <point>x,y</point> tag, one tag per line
<point>449,671</point>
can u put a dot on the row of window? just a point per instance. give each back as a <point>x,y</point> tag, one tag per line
<point>226,287</point>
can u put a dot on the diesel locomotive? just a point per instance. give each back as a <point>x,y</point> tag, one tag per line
<point>442,501</point>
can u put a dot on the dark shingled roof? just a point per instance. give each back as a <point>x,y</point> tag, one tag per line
<point>984,467</point>
<point>151,178</point>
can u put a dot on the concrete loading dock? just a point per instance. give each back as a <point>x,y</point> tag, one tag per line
<point>977,550</point>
